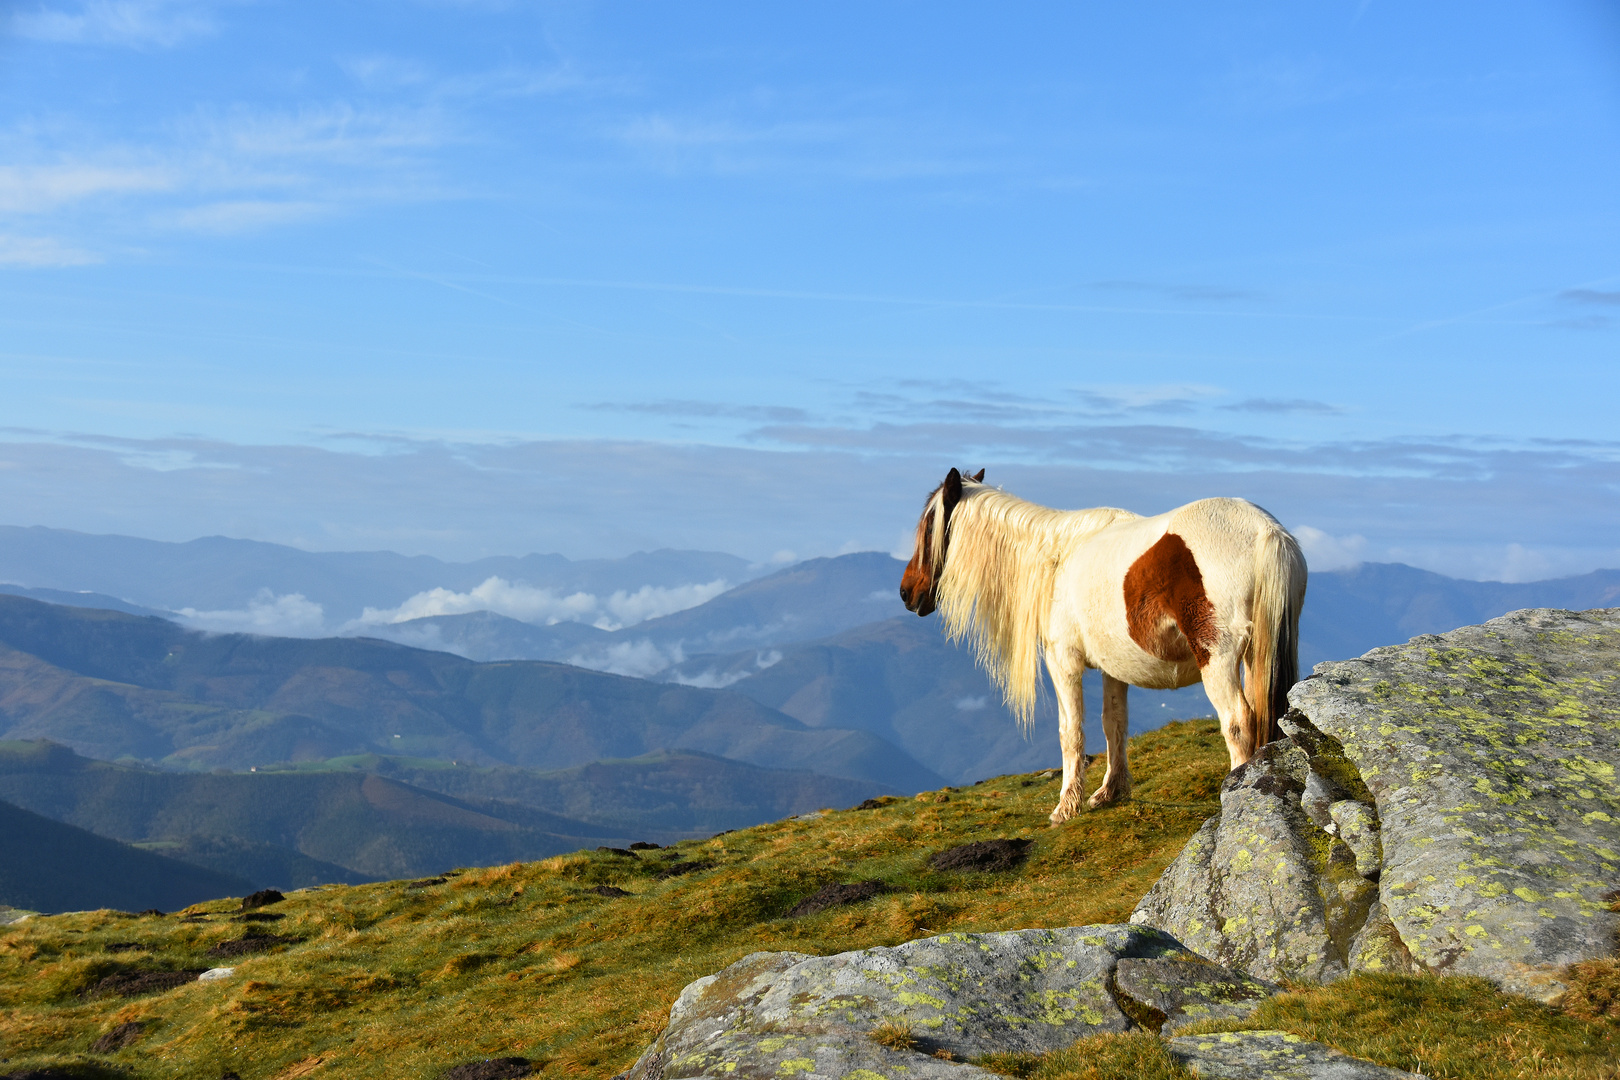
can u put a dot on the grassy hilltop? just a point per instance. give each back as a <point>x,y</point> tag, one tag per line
<point>542,960</point>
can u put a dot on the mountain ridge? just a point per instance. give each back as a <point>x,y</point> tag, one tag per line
<point>115,685</point>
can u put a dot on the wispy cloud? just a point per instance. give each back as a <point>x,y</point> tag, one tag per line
<point>216,171</point>
<point>33,189</point>
<point>41,251</point>
<point>706,409</point>
<point>128,23</point>
<point>241,215</point>
<point>1179,291</point>
<point>1295,406</point>
<point>1592,296</point>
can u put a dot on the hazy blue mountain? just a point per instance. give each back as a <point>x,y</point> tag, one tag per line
<point>368,825</point>
<point>112,686</point>
<point>83,599</point>
<point>218,573</point>
<point>374,816</point>
<point>655,796</point>
<point>809,600</point>
<point>48,866</point>
<point>1348,612</point>
<point>902,680</point>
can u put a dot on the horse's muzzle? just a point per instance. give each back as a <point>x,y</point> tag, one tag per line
<point>923,604</point>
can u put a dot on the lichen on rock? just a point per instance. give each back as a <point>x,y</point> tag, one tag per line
<point>1491,754</point>
<point>962,995</point>
<point>1446,805</point>
<point>1263,888</point>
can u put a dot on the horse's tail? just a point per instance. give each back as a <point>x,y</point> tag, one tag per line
<point>1273,660</point>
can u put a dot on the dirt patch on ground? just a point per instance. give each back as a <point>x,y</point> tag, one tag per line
<point>133,983</point>
<point>982,856</point>
<point>506,1068</point>
<point>119,1037</point>
<point>252,943</point>
<point>685,868</point>
<point>831,896</point>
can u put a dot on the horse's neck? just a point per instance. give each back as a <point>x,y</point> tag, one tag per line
<point>998,579</point>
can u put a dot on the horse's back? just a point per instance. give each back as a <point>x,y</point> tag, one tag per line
<point>1206,546</point>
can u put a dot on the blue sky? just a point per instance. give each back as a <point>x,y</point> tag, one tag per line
<point>474,278</point>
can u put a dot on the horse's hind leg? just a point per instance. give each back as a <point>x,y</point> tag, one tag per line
<point>1223,682</point>
<point>1071,735</point>
<point>1116,782</point>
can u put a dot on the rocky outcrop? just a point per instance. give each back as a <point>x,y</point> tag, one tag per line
<point>1446,805</point>
<point>952,998</point>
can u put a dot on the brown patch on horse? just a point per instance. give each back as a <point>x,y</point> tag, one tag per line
<point>1168,613</point>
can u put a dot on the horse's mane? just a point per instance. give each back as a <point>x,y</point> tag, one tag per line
<point>996,587</point>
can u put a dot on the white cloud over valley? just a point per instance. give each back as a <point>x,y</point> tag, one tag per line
<point>288,615</point>
<point>527,603</point>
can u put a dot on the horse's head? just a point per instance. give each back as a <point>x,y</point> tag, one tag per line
<point>919,585</point>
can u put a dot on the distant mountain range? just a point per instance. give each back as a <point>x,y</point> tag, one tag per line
<point>219,574</point>
<point>113,686</point>
<point>1348,612</point>
<point>375,817</point>
<point>478,737</point>
<point>809,600</point>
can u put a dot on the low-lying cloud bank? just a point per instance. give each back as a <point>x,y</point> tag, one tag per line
<point>291,615</point>
<point>544,606</point>
<point>294,615</point>
<point>1476,508</point>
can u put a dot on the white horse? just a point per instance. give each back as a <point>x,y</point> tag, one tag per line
<point>1211,591</point>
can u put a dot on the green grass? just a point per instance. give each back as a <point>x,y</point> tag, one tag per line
<point>1443,1027</point>
<point>391,981</point>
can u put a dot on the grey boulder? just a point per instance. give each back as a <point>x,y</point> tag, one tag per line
<point>960,995</point>
<point>1263,888</point>
<point>1447,805</point>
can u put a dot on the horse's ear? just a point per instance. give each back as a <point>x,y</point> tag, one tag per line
<point>978,477</point>
<point>952,489</point>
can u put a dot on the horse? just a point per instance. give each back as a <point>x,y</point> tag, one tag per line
<point>1209,592</point>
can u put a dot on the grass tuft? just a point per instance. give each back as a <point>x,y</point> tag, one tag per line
<point>894,1035</point>
<point>1444,1027</point>
<point>1136,1055</point>
<point>1594,991</point>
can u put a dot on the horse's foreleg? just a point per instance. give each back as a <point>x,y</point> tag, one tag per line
<point>1116,782</point>
<point>1072,737</point>
<point>1223,682</point>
